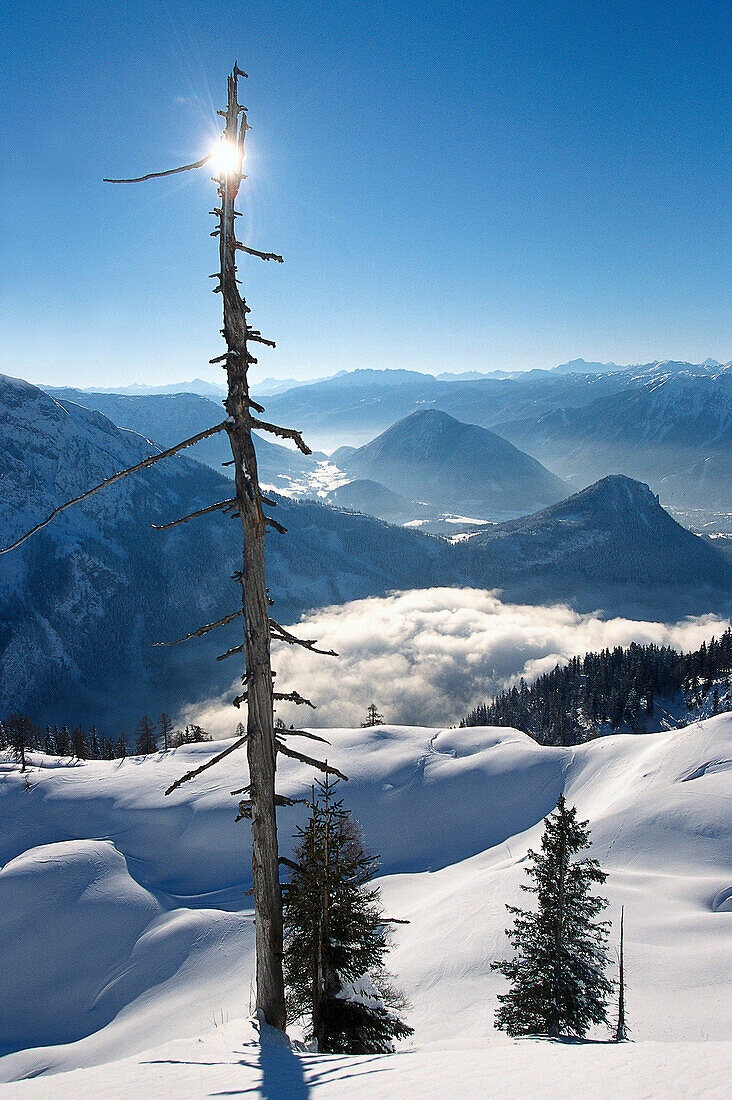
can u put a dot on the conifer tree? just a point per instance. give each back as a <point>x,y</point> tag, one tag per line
<point>145,737</point>
<point>165,723</point>
<point>20,732</point>
<point>373,718</point>
<point>558,984</point>
<point>335,937</point>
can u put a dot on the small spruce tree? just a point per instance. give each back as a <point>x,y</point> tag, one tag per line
<point>146,740</point>
<point>20,737</point>
<point>373,718</point>
<point>165,725</point>
<point>335,937</point>
<point>558,984</point>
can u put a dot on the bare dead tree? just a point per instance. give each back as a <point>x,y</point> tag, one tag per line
<point>261,744</point>
<point>621,1031</point>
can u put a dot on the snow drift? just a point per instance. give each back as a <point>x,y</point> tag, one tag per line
<point>125,922</point>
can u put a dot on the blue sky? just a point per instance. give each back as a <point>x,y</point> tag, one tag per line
<point>454,186</point>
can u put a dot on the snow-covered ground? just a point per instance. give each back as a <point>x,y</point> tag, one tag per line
<point>126,954</point>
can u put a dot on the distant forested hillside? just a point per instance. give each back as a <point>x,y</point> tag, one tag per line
<point>633,690</point>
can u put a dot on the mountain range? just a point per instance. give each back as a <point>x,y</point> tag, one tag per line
<point>353,408</point>
<point>675,432</point>
<point>82,602</point>
<point>166,418</point>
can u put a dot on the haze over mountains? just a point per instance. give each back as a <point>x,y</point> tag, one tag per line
<point>82,602</point>
<point>170,417</point>
<point>666,423</point>
<point>432,458</point>
<point>674,432</point>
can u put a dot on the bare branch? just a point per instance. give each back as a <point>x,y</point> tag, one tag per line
<point>245,807</point>
<point>276,524</point>
<point>284,433</point>
<point>209,764</point>
<point>281,635</point>
<point>293,697</point>
<point>392,920</point>
<point>255,334</point>
<point>328,768</point>
<point>170,172</point>
<point>241,790</point>
<point>303,733</point>
<point>205,629</point>
<point>116,477</point>
<point>256,252</point>
<point>290,863</point>
<point>200,512</point>
<point>231,652</point>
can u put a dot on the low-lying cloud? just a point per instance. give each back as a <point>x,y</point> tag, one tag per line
<point>426,657</point>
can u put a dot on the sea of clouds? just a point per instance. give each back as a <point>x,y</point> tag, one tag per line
<point>426,657</point>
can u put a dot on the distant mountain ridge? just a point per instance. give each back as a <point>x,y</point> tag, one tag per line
<point>613,535</point>
<point>82,601</point>
<point>167,418</point>
<point>673,431</point>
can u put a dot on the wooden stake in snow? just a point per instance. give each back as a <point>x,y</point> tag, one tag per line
<point>621,1032</point>
<point>259,629</point>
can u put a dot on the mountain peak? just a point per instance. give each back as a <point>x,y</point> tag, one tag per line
<point>430,456</point>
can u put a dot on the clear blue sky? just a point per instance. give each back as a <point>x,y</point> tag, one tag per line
<point>454,186</point>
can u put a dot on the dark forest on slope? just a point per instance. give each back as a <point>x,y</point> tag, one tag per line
<point>615,690</point>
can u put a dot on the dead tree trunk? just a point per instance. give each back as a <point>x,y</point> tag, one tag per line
<point>259,629</point>
<point>261,749</point>
<point>621,1032</point>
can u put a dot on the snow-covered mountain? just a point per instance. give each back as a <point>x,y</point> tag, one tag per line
<point>82,602</point>
<point>431,457</point>
<point>166,418</point>
<point>611,538</point>
<point>675,432</point>
<point>657,366</point>
<point>127,933</point>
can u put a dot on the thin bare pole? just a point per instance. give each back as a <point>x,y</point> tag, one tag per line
<point>261,747</point>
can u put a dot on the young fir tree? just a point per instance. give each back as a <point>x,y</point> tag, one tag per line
<point>165,725</point>
<point>335,937</point>
<point>146,740</point>
<point>558,984</point>
<point>20,736</point>
<point>373,718</point>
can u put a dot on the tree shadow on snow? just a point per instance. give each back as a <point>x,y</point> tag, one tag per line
<point>289,1075</point>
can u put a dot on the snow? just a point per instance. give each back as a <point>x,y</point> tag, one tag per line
<point>127,951</point>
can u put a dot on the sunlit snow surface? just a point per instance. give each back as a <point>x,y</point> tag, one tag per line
<point>126,936</point>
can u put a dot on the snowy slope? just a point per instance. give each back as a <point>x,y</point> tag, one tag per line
<point>125,928</point>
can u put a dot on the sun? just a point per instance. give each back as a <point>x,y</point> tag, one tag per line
<point>227,158</point>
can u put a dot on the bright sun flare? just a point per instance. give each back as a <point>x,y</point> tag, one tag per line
<point>226,158</point>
